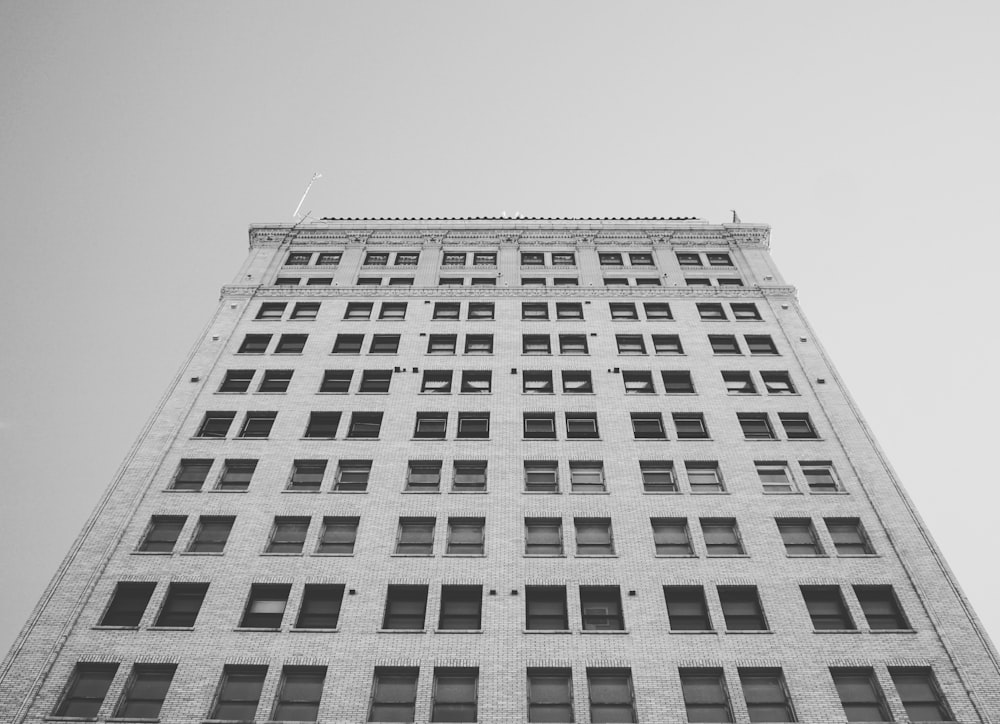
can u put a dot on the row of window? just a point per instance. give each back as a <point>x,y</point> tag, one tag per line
<point>674,382</point>
<point>548,694</point>
<point>535,425</point>
<point>531,311</point>
<point>491,281</point>
<point>531,344</point>
<point>542,536</point>
<point>540,476</point>
<point>546,608</point>
<point>527,258</point>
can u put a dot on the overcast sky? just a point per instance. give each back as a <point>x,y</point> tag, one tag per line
<point>139,139</point>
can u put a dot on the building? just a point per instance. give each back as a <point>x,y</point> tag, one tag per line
<point>505,470</point>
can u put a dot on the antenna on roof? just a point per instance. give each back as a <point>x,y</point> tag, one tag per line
<point>316,176</point>
<point>736,218</point>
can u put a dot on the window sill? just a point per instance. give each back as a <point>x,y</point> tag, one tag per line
<point>619,631</point>
<point>299,492</point>
<point>331,393</point>
<point>710,492</point>
<point>807,555</point>
<point>115,628</point>
<point>674,555</point>
<point>152,553</point>
<point>289,354</point>
<point>333,555</point>
<point>781,492</point>
<point>314,630</point>
<point>349,492</point>
<point>753,631</point>
<point>202,553</point>
<point>281,554</point>
<point>858,555</point>
<point>411,555</point>
<point>182,490</point>
<point>728,555</point>
<point>464,555</point>
<point>693,439</point>
<point>596,555</point>
<point>467,492</point>
<point>420,492</point>
<point>836,631</point>
<point>268,629</point>
<point>171,628</point>
<point>228,490</point>
<point>545,631</point>
<point>695,632</point>
<point>230,392</point>
<point>540,492</point>
<point>590,492</point>
<point>892,631</point>
<point>543,555</point>
<point>400,630</point>
<point>137,719</point>
<point>661,492</point>
<point>458,631</point>
<point>363,392</point>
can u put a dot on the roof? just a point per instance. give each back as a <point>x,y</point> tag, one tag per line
<point>511,218</point>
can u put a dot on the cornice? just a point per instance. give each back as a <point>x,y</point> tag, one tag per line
<point>240,291</point>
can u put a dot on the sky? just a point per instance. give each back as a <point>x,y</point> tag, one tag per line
<point>139,140</point>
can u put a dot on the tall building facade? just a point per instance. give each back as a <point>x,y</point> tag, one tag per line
<point>505,470</point>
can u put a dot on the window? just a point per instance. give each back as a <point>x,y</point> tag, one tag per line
<point>299,693</point>
<point>376,259</point>
<point>745,312</point>
<point>181,605</point>
<point>128,603</point>
<point>405,607</point>
<point>145,691</point>
<point>623,310</point>
<point>712,312</point>
<point>569,310</point>
<point>534,311</point>
<point>722,537</point>
<point>638,382</point>
<point>545,608</point>
<point>601,608</point>
<point>688,259</point>
<point>849,537</point>
<point>657,311</point>
<point>436,381</point>
<point>539,425</point>
<point>587,477</point>
<point>671,537</point>
<point>424,476</point>
<point>667,344</point>
<point>216,424</point>
<point>275,381</point>
<point>431,425</point>
<point>766,695</point>
<point>566,281</point>
<point>719,259</point>
<point>407,258</point>
<point>532,258</point>
<point>741,608</point>
<point>384,344</point>
<point>469,476</point>
<point>392,311</point>
<point>452,258</point>
<point>826,608</point>
<point>798,426</point>
<point>630,344</point>
<point>724,344</point>
<point>705,695</point>
<point>610,259</point>
<point>860,695</point>
<point>162,533</point>
<point>307,475</point>
<point>690,425</point>
<point>328,258</point>
<point>358,310</point>
<point>298,258</point>
<point>535,344</point>
<point>778,383</point>
<point>466,536</point>
<point>271,310</point>
<point>461,608</point>
<point>288,535</point>
<point>305,310</point>
<point>541,476</point>
<point>686,608</point>
<point>338,535</point>
<point>756,426</point>
<point>481,310</point>
<point>337,381</point>
<point>658,476</point>
<point>799,537</point>
<point>446,310</point>
<point>212,534</point>
<point>760,344</point>
<point>577,382</point>
<point>191,474</point>
<point>400,281</point>
<point>593,537</point>
<point>352,476</point>
<point>348,344</point>
<point>441,344</point>
<point>488,258</point>
<point>375,381</point>
<point>677,382</point>
<point>543,537</point>
<point>365,425</point>
<point>550,695</point>
<point>820,477</point>
<point>291,344</point>
<point>239,693</point>
<point>532,281</point>
<point>698,281</point>
<point>573,344</point>
<point>479,344</point>
<point>616,281</point>
<point>704,477</point>
<point>258,424</point>
<point>416,537</point>
<point>474,425</point>
<point>648,426</point>
<point>921,696</point>
<point>477,381</point>
<point>255,344</point>
<point>322,425</point>
<point>454,695</point>
<point>611,697</point>
<point>265,606</point>
<point>739,383</point>
<point>394,694</point>
<point>641,259</point>
<point>581,425</point>
<point>483,281</point>
<point>537,383</point>
<point>86,690</point>
<point>881,608</point>
<point>236,381</point>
